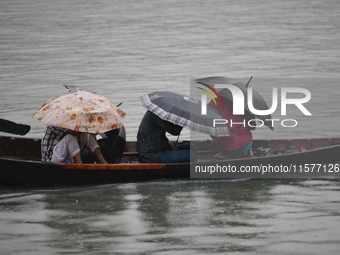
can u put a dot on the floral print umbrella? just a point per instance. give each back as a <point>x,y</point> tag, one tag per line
<point>81,111</point>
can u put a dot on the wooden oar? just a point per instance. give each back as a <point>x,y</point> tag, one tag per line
<point>13,128</point>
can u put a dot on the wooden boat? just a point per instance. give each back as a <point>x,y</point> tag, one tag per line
<point>20,164</point>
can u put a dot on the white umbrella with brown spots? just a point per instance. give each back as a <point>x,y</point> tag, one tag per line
<point>81,111</point>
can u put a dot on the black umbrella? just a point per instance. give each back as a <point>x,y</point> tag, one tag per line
<point>184,111</point>
<point>258,101</point>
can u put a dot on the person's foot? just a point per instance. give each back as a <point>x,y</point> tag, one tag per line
<point>221,155</point>
<point>239,155</point>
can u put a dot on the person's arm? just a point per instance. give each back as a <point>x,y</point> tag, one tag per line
<point>173,129</point>
<point>168,126</point>
<point>99,156</point>
<point>77,158</point>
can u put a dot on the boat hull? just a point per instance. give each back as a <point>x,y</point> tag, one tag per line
<point>32,173</point>
<point>20,165</point>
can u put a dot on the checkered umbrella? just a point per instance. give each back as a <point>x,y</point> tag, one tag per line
<point>81,111</point>
<point>184,111</point>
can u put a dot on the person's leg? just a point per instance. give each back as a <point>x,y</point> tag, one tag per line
<point>91,151</point>
<point>176,156</point>
<point>184,146</point>
<point>243,148</point>
<point>87,155</point>
<point>187,146</point>
<point>85,148</point>
<point>89,140</point>
<point>237,153</point>
<point>67,150</point>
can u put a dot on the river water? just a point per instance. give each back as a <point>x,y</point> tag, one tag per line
<point>125,49</point>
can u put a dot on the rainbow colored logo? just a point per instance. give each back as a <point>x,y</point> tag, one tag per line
<point>209,93</point>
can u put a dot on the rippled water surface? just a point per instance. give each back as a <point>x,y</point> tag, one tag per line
<point>125,49</point>
<point>177,217</point>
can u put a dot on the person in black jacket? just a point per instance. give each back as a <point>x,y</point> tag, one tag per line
<point>153,145</point>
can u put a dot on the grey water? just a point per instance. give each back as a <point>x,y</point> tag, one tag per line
<point>125,49</point>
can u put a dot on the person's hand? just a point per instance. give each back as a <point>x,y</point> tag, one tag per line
<point>72,132</point>
<point>174,147</point>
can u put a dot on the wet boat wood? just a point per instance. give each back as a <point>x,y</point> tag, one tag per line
<point>21,166</point>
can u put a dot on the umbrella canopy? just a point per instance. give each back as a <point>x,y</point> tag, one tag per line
<point>81,111</point>
<point>258,101</point>
<point>184,111</point>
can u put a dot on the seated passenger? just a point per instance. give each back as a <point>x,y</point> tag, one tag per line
<point>153,145</point>
<point>240,139</point>
<point>64,146</point>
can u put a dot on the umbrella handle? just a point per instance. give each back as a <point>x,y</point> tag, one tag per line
<point>249,81</point>
<point>177,141</point>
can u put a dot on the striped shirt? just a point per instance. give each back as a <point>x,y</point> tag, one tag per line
<point>52,136</point>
